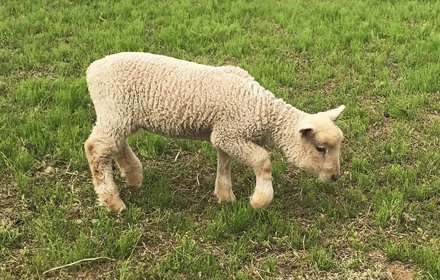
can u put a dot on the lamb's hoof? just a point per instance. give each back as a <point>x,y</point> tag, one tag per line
<point>224,195</point>
<point>135,189</point>
<point>261,200</point>
<point>112,203</point>
<point>134,180</point>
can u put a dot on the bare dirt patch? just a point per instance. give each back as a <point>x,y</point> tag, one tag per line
<point>398,271</point>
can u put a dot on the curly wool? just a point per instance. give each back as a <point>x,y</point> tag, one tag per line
<point>178,98</point>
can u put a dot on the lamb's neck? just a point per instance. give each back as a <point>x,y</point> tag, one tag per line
<point>285,119</point>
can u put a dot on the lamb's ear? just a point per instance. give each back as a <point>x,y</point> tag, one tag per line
<point>334,114</point>
<point>305,130</point>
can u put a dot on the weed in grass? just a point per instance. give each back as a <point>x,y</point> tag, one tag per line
<point>356,262</point>
<point>126,243</point>
<point>388,208</point>
<point>149,145</point>
<point>239,253</point>
<point>315,195</point>
<point>397,149</point>
<point>239,220</point>
<point>157,194</point>
<point>290,236</point>
<point>278,168</point>
<point>322,258</point>
<point>8,237</point>
<point>133,214</point>
<point>190,262</point>
<point>269,265</point>
<point>427,257</point>
<point>231,219</point>
<point>178,222</point>
<point>7,276</point>
<point>124,271</point>
<point>359,165</point>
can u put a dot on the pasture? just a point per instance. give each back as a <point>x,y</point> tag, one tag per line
<point>380,220</point>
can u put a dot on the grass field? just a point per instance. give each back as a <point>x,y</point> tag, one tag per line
<point>381,220</point>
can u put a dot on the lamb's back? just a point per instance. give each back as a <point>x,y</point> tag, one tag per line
<point>169,96</point>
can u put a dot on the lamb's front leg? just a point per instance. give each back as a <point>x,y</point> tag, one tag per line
<point>223,183</point>
<point>263,194</point>
<point>254,156</point>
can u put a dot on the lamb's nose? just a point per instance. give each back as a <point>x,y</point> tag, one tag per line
<point>335,177</point>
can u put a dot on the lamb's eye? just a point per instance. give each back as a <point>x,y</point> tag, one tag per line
<point>320,149</point>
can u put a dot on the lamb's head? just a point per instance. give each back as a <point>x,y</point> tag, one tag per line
<point>319,142</point>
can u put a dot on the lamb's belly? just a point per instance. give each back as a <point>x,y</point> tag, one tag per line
<point>172,128</point>
<point>180,120</point>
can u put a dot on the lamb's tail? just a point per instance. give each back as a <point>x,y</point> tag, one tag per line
<point>94,70</point>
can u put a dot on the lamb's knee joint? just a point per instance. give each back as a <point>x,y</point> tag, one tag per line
<point>89,147</point>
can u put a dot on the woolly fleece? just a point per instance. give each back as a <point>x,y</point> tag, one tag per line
<point>183,99</point>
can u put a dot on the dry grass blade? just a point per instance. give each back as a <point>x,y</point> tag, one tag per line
<point>77,262</point>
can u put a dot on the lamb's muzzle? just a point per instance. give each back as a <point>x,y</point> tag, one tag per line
<point>224,105</point>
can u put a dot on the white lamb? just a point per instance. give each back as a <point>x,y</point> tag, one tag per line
<point>224,105</point>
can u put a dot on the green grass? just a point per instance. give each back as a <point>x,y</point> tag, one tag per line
<point>379,58</point>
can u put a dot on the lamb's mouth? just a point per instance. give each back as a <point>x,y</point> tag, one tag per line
<point>323,178</point>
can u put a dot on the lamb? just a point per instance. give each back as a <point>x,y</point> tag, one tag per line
<point>223,105</point>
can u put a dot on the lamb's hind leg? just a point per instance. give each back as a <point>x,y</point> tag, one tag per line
<point>99,151</point>
<point>223,184</point>
<point>130,166</point>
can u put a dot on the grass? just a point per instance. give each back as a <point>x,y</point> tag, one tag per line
<point>379,58</point>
